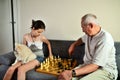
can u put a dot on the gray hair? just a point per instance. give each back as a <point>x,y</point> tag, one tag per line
<point>89,18</point>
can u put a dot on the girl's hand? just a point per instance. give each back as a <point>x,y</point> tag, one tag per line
<point>50,55</point>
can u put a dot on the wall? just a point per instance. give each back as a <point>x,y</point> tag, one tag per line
<point>62,17</point>
<point>6,44</point>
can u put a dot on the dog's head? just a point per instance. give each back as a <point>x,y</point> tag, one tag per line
<point>21,48</point>
<point>23,53</point>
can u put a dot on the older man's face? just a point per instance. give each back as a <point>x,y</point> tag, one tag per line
<point>86,28</point>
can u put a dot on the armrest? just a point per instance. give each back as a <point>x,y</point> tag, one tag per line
<point>7,59</point>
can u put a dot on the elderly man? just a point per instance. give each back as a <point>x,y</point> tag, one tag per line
<point>99,59</point>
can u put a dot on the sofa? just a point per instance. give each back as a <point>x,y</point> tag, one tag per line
<point>59,47</point>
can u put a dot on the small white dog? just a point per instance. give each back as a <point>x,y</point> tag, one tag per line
<point>23,53</point>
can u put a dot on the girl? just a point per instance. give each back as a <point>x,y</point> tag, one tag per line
<point>34,41</point>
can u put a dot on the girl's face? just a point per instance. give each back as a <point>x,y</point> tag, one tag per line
<point>36,33</point>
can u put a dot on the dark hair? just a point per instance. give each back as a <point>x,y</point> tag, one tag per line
<point>38,24</point>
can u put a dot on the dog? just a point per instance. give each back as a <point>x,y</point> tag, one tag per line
<point>23,54</point>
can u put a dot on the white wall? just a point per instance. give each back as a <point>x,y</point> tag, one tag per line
<point>6,43</point>
<point>62,17</point>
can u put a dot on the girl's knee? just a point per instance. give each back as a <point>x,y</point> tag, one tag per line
<point>11,69</point>
<point>21,69</point>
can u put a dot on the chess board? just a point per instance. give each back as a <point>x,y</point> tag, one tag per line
<point>56,65</point>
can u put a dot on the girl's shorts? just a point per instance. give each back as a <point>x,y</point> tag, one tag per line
<point>40,58</point>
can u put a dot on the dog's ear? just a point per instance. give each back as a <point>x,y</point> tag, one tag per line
<point>16,43</point>
<point>18,46</point>
<point>15,46</point>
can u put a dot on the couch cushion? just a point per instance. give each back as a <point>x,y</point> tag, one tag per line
<point>117,46</point>
<point>60,47</point>
<point>33,75</point>
<point>7,59</point>
<point>45,50</point>
<point>118,62</point>
<point>3,69</point>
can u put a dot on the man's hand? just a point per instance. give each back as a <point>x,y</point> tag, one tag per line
<point>66,75</point>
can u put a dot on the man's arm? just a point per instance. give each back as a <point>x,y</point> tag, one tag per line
<point>74,44</point>
<point>67,74</point>
<point>86,69</point>
<point>78,42</point>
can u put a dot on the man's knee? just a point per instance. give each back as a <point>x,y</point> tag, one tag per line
<point>97,75</point>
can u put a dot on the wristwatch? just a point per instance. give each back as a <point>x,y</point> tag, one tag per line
<point>73,73</point>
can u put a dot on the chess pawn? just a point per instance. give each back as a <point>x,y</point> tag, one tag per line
<point>55,57</point>
<point>74,78</point>
<point>59,59</point>
<point>69,62</point>
<point>43,63</point>
<point>51,57</point>
<point>46,59</point>
<point>58,56</point>
<point>41,66</point>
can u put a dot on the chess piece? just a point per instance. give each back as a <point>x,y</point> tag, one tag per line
<point>55,65</point>
<point>74,78</point>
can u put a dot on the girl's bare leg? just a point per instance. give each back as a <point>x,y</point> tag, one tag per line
<point>10,71</point>
<point>26,67</point>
